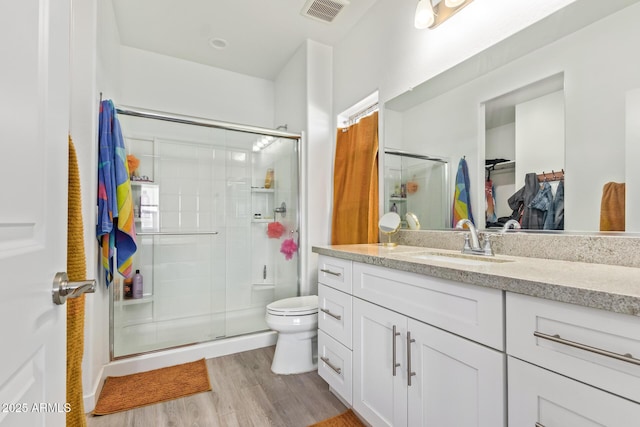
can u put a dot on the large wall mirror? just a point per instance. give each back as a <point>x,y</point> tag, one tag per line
<point>561,97</point>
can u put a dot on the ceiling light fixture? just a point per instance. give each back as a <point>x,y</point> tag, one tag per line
<point>430,16</point>
<point>453,3</point>
<point>425,17</point>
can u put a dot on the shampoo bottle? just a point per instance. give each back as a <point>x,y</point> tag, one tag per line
<point>137,285</point>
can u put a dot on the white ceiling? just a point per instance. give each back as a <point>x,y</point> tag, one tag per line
<point>262,35</point>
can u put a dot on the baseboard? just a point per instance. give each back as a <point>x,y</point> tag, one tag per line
<point>91,398</point>
<point>176,356</point>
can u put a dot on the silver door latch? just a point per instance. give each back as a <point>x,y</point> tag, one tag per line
<point>63,289</point>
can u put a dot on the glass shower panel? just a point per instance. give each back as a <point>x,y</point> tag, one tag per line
<point>209,265</point>
<point>417,184</point>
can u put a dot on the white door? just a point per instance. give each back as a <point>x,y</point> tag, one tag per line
<point>457,382</point>
<point>538,397</point>
<point>34,122</point>
<point>379,395</point>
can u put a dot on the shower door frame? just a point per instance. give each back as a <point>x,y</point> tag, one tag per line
<point>217,124</point>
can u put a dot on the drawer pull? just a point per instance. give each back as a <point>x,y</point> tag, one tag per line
<point>335,368</point>
<point>333,273</point>
<point>409,372</point>
<point>335,316</point>
<point>556,338</point>
<point>394,362</point>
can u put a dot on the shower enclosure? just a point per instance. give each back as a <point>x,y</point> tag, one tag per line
<point>205,194</point>
<point>418,184</point>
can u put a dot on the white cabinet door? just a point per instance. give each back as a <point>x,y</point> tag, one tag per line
<point>538,397</point>
<point>457,382</point>
<point>378,395</point>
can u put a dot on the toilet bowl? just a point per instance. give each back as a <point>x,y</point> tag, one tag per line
<point>296,321</point>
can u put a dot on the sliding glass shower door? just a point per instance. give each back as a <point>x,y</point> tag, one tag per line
<point>213,209</point>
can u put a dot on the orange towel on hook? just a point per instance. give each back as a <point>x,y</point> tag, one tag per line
<point>612,216</point>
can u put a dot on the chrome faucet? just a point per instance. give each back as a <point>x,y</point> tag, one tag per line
<point>474,247</point>
<point>507,225</point>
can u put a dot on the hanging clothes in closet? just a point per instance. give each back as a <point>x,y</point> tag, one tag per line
<point>535,206</point>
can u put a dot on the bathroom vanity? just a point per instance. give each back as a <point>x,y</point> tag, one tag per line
<point>418,336</point>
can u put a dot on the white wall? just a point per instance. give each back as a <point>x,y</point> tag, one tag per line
<point>540,135</point>
<point>632,171</point>
<point>303,101</point>
<point>96,45</point>
<point>385,52</point>
<point>158,82</point>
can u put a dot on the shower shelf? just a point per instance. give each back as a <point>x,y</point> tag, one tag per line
<point>264,220</point>
<point>135,301</point>
<point>262,190</point>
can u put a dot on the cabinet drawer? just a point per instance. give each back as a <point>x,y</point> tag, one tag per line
<point>582,334</point>
<point>334,365</point>
<point>335,314</point>
<point>471,311</point>
<point>541,397</point>
<point>335,272</point>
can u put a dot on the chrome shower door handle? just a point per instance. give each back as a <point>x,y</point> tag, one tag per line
<point>63,289</point>
<point>394,362</point>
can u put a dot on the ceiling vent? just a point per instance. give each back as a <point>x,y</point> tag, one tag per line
<point>323,10</point>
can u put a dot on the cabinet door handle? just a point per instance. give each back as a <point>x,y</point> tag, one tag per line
<point>324,270</point>
<point>410,373</point>
<point>556,338</point>
<point>394,334</point>
<point>335,368</point>
<point>335,316</point>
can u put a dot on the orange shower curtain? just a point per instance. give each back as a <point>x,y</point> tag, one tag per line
<point>355,184</point>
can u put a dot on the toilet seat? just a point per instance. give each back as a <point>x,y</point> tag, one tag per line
<point>296,306</point>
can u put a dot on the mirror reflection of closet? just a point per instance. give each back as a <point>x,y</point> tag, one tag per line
<point>524,133</point>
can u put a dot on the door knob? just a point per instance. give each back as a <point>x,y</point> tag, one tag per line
<point>63,289</point>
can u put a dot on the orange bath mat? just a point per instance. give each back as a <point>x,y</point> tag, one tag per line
<point>146,388</point>
<point>346,419</point>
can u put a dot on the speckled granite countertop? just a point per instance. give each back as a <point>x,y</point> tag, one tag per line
<point>606,287</point>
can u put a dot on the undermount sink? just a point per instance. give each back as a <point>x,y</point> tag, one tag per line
<point>461,259</point>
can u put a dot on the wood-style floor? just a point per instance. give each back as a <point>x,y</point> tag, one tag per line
<point>244,393</point>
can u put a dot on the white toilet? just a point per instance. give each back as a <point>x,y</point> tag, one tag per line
<point>296,321</point>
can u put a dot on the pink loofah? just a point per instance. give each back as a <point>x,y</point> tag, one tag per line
<point>275,230</point>
<point>288,248</point>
